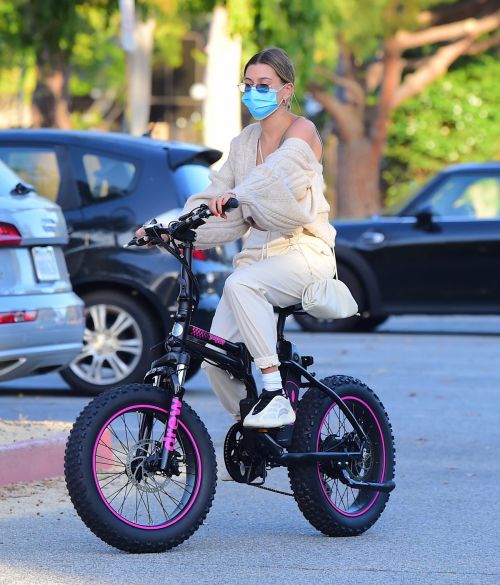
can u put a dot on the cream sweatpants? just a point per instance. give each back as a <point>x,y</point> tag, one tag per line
<point>271,271</point>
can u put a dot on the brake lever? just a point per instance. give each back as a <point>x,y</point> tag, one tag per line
<point>203,206</point>
<point>135,242</point>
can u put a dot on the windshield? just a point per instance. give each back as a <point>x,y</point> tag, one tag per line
<point>396,207</point>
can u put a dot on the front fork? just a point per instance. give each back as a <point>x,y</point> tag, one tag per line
<point>174,407</point>
<point>174,394</point>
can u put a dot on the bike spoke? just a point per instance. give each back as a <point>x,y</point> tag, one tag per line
<point>114,449</point>
<point>114,494</point>
<point>149,511</point>
<point>159,500</point>
<point>113,432</point>
<point>136,505</point>
<point>127,432</point>
<point>125,497</point>
<point>108,459</point>
<point>110,481</point>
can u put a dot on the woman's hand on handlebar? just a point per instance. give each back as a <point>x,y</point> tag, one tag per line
<point>141,233</point>
<point>215,205</point>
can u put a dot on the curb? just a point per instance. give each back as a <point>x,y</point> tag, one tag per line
<point>32,460</point>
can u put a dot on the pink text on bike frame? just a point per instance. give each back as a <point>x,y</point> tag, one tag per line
<point>172,423</point>
<point>205,335</point>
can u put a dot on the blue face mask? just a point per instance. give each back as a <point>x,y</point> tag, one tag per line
<point>261,104</point>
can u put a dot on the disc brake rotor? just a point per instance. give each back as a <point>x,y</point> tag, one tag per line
<point>143,479</point>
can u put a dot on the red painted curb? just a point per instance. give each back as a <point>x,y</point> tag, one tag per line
<point>32,460</point>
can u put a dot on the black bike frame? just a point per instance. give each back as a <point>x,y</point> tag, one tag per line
<point>186,340</point>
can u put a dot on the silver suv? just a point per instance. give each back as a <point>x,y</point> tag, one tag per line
<point>41,318</point>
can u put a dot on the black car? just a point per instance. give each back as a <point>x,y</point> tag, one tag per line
<point>107,185</point>
<point>439,254</point>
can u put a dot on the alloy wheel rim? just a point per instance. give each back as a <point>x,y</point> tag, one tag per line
<point>112,346</point>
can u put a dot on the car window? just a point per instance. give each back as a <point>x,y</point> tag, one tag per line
<point>105,176</point>
<point>473,196</point>
<point>37,166</point>
<point>8,180</point>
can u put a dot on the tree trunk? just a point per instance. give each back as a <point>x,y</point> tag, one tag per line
<point>51,97</point>
<point>358,170</point>
<point>139,73</point>
<point>222,105</point>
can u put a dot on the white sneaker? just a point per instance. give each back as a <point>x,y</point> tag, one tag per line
<point>270,412</point>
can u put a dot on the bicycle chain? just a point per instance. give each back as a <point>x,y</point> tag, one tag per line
<point>268,489</point>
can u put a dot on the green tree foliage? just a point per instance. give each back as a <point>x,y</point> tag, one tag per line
<point>82,39</point>
<point>306,30</point>
<point>456,119</point>
<point>361,61</point>
<point>97,60</point>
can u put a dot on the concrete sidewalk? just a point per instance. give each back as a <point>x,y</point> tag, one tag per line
<point>31,450</point>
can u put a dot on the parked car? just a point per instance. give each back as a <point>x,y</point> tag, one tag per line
<point>41,318</point>
<point>107,185</point>
<point>439,254</point>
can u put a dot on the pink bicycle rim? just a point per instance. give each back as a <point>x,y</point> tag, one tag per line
<point>381,479</point>
<point>198,479</point>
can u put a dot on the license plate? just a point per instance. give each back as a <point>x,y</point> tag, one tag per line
<point>45,263</point>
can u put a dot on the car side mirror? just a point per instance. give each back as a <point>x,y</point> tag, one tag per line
<point>425,218</point>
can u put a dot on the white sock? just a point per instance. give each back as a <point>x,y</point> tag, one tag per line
<point>272,381</point>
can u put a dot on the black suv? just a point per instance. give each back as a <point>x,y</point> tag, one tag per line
<point>439,254</point>
<point>107,185</point>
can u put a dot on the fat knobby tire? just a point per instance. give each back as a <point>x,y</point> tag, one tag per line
<point>82,488</point>
<point>304,479</point>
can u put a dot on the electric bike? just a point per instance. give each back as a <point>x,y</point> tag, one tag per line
<point>140,466</point>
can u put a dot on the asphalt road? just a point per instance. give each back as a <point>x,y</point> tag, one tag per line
<point>440,382</point>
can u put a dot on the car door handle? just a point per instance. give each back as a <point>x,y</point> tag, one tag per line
<point>373,238</point>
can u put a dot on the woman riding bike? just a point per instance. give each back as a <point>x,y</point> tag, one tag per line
<point>274,170</point>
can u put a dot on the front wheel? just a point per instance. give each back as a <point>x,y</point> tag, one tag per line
<point>327,503</point>
<point>113,478</point>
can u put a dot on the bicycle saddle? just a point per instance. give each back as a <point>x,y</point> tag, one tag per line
<point>291,309</point>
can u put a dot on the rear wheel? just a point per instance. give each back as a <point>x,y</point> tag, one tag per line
<point>113,478</point>
<point>326,502</point>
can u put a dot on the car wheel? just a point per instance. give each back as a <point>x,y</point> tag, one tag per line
<point>119,335</point>
<point>370,323</point>
<point>118,338</point>
<point>310,323</point>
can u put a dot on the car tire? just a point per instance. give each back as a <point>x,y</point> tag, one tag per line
<point>310,323</point>
<point>371,323</point>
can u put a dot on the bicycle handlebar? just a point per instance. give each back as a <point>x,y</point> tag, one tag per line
<point>188,221</point>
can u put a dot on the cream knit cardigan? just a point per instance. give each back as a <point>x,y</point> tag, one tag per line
<point>285,193</point>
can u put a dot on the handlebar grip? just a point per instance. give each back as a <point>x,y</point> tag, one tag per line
<point>135,242</point>
<point>232,203</point>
